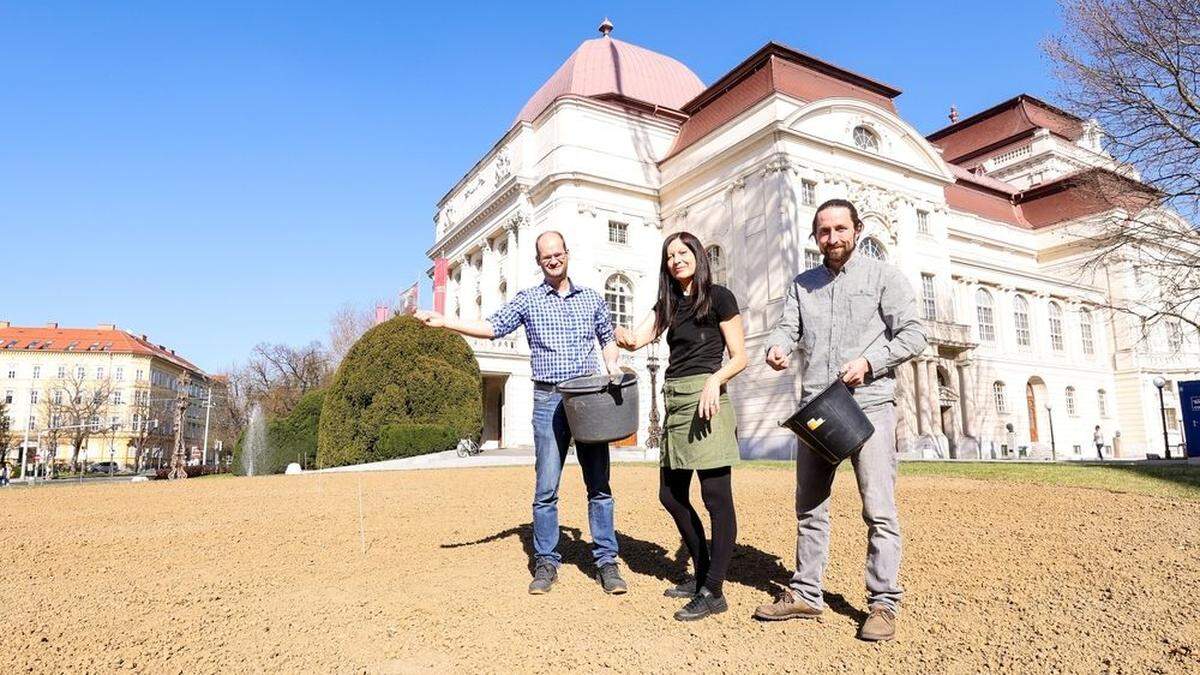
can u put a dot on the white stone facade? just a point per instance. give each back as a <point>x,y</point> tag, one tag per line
<point>750,187</point>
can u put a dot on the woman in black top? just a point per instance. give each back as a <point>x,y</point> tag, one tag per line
<point>702,323</point>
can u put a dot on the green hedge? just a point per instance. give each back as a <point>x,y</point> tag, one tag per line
<point>408,440</point>
<point>400,373</point>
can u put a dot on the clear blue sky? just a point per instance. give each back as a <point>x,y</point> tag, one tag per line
<point>219,174</point>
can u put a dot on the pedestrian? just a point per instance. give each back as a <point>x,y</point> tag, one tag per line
<point>702,323</point>
<point>1098,439</point>
<point>853,317</point>
<point>563,324</point>
<point>5,471</point>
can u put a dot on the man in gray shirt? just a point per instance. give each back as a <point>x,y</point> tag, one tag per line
<point>856,318</point>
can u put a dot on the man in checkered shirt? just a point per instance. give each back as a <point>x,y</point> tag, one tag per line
<point>563,323</point>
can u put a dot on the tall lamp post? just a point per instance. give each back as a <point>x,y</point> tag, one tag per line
<point>1053,448</point>
<point>654,432</point>
<point>1162,410</point>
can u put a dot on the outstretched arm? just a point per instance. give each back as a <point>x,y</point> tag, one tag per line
<point>472,327</point>
<point>635,339</point>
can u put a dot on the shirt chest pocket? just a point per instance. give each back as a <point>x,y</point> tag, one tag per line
<point>862,306</point>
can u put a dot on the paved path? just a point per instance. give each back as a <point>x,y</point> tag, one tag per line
<point>497,457</point>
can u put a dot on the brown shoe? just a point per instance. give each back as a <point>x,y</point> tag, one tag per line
<point>880,624</point>
<point>786,606</point>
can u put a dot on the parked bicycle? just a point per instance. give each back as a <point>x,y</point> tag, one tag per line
<point>468,447</point>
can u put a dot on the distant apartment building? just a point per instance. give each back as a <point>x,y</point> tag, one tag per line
<point>119,388</point>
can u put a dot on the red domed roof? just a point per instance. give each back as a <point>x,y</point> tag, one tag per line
<point>605,66</point>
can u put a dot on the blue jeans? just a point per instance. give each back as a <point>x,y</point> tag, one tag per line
<point>551,436</point>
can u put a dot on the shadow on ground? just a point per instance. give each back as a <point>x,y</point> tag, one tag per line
<point>750,566</point>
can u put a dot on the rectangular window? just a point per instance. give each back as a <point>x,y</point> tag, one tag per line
<point>95,423</point>
<point>62,372</point>
<point>618,233</point>
<point>1102,403</point>
<point>12,372</point>
<point>923,222</point>
<point>80,373</point>
<point>808,193</point>
<point>117,399</point>
<point>32,422</point>
<point>33,397</point>
<point>57,397</point>
<point>140,375</point>
<point>811,259</point>
<point>8,397</point>
<point>1085,331</point>
<point>99,372</point>
<point>119,374</point>
<point>115,421</point>
<point>1174,337</point>
<point>37,372</point>
<point>928,298</point>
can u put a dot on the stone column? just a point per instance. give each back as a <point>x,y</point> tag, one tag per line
<point>511,271</point>
<point>467,288</point>
<point>921,397</point>
<point>906,408</point>
<point>933,401</point>
<point>966,378</point>
<point>452,301</point>
<point>489,282</point>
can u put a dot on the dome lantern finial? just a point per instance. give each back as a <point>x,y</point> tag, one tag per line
<point>606,27</point>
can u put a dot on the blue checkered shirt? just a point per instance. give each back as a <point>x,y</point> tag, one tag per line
<point>562,330</point>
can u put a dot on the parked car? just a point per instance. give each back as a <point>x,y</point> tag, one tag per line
<point>104,467</point>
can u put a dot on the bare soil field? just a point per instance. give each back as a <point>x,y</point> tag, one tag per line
<point>274,574</point>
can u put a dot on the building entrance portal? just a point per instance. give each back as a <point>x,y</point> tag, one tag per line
<point>493,410</point>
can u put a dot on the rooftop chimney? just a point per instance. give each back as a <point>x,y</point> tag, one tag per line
<point>107,326</point>
<point>52,324</point>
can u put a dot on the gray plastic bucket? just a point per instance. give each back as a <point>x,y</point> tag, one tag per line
<point>599,410</point>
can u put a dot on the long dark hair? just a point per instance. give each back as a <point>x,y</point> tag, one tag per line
<point>670,294</point>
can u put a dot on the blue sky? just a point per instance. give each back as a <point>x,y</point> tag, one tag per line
<point>219,174</point>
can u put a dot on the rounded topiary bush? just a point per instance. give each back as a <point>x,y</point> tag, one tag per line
<point>399,373</point>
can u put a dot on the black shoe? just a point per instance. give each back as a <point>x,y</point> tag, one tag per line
<point>683,590</point>
<point>701,605</point>
<point>544,576</point>
<point>610,579</point>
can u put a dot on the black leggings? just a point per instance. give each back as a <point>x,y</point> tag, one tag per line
<point>717,492</point>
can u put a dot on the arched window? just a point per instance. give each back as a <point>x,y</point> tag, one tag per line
<point>618,293</point>
<point>1071,410</point>
<point>985,316</point>
<point>871,248</point>
<point>1085,332</point>
<point>716,264</point>
<point>1056,332</point>
<point>866,139</point>
<point>1001,397</point>
<point>1021,320</point>
<point>1102,402</point>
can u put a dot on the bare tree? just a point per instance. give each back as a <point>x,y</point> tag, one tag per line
<point>149,417</point>
<point>7,439</point>
<point>1133,66</point>
<point>276,376</point>
<point>346,326</point>
<point>76,409</point>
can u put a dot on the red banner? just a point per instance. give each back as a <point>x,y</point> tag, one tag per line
<point>441,268</point>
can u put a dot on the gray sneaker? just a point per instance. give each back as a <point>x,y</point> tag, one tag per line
<point>610,579</point>
<point>683,590</point>
<point>544,576</point>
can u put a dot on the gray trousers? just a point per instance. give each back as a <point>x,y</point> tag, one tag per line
<point>875,470</point>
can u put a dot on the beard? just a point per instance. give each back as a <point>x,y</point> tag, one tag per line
<point>840,253</point>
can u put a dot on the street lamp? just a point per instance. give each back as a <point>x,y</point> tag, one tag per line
<point>1053,448</point>
<point>1162,410</point>
<point>654,432</point>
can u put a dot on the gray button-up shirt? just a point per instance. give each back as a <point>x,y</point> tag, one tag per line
<point>867,309</point>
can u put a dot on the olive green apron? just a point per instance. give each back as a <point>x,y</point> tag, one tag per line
<point>690,442</point>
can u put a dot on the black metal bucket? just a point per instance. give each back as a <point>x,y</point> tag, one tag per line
<point>600,410</point>
<point>832,423</point>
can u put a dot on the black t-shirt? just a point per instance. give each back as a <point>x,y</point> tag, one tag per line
<point>697,345</point>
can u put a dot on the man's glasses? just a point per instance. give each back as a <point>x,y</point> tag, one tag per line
<point>555,256</point>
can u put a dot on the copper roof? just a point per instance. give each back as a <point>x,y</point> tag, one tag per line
<point>1002,124</point>
<point>86,340</point>
<point>775,68</point>
<point>605,67</point>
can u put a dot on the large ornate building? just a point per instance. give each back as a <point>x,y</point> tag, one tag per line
<point>623,145</point>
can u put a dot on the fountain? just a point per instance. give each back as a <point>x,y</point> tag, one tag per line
<point>254,446</point>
